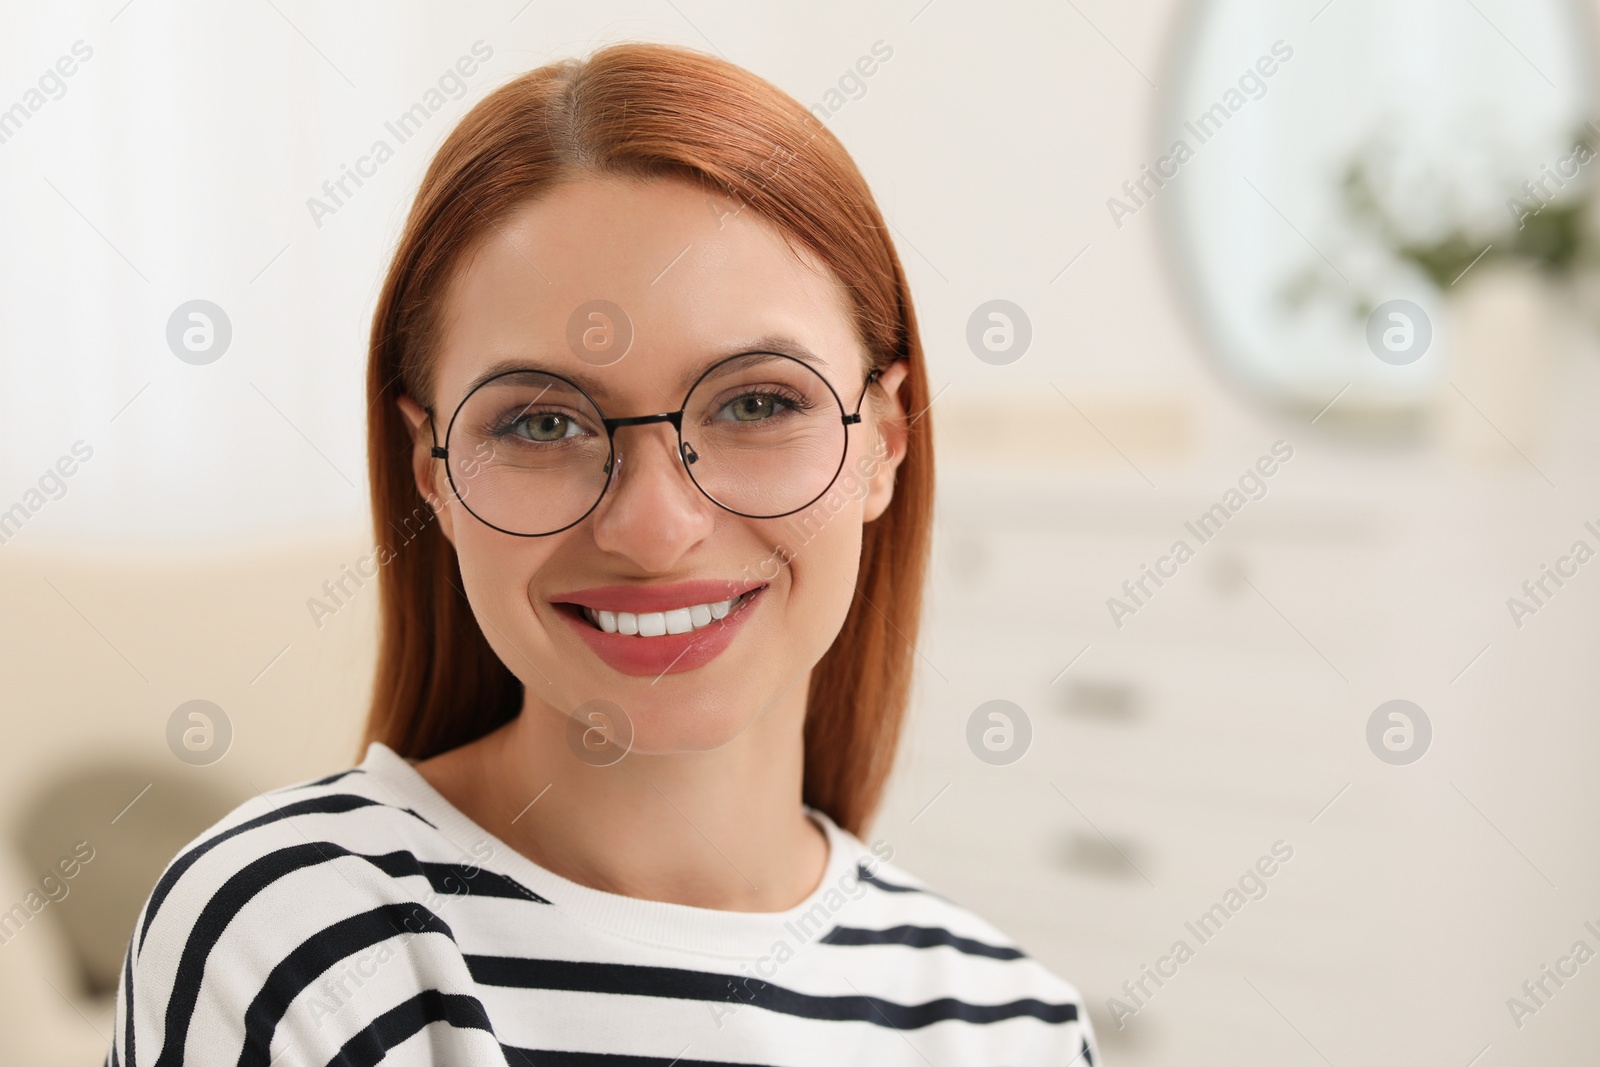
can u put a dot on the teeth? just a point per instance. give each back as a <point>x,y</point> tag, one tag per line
<point>657,623</point>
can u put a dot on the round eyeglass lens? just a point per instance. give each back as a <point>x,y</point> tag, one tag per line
<point>527,453</point>
<point>763,434</point>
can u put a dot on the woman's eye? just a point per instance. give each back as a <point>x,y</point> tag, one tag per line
<point>545,427</point>
<point>753,407</point>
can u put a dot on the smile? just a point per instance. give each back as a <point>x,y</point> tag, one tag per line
<point>659,623</point>
<point>656,631</point>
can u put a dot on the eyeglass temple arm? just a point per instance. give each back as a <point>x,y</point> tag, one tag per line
<point>855,416</point>
<point>437,452</point>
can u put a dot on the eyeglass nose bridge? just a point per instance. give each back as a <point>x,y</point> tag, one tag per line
<point>686,451</point>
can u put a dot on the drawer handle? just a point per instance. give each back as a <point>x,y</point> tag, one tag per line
<point>1115,701</point>
<point>1091,854</point>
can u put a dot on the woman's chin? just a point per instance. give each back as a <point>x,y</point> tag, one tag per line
<point>603,730</point>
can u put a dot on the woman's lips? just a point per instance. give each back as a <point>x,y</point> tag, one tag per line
<point>669,653</point>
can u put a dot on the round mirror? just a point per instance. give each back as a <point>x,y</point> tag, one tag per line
<point>1319,222</point>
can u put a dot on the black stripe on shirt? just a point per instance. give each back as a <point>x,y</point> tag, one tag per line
<point>329,780</point>
<point>255,877</point>
<point>456,879</point>
<point>127,1006</point>
<point>888,887</point>
<point>626,979</point>
<point>372,1044</point>
<point>918,937</point>
<point>315,955</point>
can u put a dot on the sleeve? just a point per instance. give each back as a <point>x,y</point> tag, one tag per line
<point>305,955</point>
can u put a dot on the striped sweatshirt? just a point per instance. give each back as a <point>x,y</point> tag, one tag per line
<point>363,919</point>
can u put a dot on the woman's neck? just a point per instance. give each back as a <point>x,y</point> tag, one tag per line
<point>717,829</point>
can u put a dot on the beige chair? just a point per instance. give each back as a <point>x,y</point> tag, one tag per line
<point>99,652</point>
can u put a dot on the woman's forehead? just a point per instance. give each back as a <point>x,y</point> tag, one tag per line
<point>661,271</point>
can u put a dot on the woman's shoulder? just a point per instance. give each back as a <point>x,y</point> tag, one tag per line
<point>301,827</point>
<point>334,843</point>
<point>291,884</point>
<point>895,906</point>
<point>919,914</point>
<point>917,945</point>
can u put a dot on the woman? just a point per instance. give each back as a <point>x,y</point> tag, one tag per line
<point>652,473</point>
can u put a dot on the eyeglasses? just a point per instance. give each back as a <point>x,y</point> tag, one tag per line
<point>761,434</point>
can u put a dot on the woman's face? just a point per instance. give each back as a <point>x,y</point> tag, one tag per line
<point>696,279</point>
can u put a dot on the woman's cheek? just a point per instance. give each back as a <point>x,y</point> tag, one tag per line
<point>498,573</point>
<point>823,576</point>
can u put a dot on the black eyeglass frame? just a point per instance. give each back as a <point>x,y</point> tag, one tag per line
<point>686,453</point>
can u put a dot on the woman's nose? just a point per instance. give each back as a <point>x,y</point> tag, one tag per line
<point>652,511</point>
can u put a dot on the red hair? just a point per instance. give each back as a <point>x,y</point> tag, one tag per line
<point>648,111</point>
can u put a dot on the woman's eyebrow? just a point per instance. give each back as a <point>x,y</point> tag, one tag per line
<point>595,385</point>
<point>785,346</point>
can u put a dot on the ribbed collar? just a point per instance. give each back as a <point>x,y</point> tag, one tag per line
<point>706,931</point>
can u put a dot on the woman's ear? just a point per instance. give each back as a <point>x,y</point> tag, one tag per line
<point>427,471</point>
<point>888,447</point>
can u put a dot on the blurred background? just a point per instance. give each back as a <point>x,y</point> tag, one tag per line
<point>1311,288</point>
